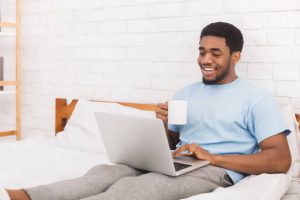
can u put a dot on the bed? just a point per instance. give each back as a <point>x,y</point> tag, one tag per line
<point>46,159</point>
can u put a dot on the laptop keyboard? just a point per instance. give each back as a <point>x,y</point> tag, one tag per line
<point>180,166</point>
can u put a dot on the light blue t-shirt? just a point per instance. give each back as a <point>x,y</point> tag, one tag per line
<point>231,118</point>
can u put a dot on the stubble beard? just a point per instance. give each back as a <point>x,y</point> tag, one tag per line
<point>219,77</point>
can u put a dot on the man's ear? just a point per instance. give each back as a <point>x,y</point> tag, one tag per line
<point>236,56</point>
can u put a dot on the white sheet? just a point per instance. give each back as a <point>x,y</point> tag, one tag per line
<point>293,192</point>
<point>261,187</point>
<point>41,160</point>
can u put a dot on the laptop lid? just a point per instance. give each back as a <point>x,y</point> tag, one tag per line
<point>139,142</point>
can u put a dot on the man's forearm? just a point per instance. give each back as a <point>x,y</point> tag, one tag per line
<point>274,157</point>
<point>267,161</point>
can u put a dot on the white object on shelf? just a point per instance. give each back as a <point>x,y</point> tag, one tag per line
<point>7,34</point>
<point>8,92</point>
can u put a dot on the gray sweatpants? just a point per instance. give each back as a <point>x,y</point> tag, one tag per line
<point>120,182</point>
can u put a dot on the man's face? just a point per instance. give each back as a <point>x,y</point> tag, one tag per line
<point>215,61</point>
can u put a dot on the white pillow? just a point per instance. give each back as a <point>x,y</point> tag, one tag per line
<point>81,132</point>
<point>293,138</point>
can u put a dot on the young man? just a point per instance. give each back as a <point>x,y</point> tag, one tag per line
<point>229,120</point>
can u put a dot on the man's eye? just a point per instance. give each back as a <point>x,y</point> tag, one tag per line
<point>202,53</point>
<point>217,54</point>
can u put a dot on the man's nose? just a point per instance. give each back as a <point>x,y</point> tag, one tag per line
<point>206,59</point>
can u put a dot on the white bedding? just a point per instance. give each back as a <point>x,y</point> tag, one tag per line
<point>49,162</point>
<point>293,192</point>
<point>261,187</point>
<point>43,160</point>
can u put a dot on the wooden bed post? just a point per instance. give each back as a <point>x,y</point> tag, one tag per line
<point>298,120</point>
<point>62,113</point>
<point>59,104</point>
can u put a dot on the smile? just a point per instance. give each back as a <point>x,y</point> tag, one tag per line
<point>208,68</point>
<point>209,71</point>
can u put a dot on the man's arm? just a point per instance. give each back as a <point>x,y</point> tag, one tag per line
<point>274,157</point>
<point>162,113</point>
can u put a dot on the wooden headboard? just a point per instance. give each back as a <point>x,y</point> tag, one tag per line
<point>64,111</point>
<point>298,120</point>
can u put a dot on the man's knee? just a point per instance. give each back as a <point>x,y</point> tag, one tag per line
<point>119,170</point>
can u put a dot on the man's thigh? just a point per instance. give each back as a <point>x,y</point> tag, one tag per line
<point>155,186</point>
<point>95,181</point>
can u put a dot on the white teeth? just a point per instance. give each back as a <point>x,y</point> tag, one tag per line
<point>208,69</point>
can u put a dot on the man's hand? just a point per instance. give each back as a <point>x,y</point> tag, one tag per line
<point>196,151</point>
<point>162,112</point>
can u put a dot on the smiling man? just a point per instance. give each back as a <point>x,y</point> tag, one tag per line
<point>228,121</point>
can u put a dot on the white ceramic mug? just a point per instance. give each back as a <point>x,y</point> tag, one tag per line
<point>177,112</point>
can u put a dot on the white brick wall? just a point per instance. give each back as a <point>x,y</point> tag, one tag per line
<point>143,50</point>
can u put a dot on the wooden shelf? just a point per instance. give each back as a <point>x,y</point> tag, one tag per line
<point>8,83</point>
<point>17,82</point>
<point>8,25</point>
<point>7,133</point>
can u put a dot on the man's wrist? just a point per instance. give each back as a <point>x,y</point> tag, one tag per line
<point>214,159</point>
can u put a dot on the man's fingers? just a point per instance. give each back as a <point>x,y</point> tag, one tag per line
<point>162,117</point>
<point>178,151</point>
<point>163,106</point>
<point>162,112</point>
<point>193,147</point>
<point>195,151</point>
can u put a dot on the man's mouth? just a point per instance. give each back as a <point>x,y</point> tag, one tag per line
<point>208,68</point>
<point>208,71</point>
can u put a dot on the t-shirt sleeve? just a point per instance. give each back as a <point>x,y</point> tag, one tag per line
<point>265,120</point>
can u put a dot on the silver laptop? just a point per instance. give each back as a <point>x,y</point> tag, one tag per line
<point>141,142</point>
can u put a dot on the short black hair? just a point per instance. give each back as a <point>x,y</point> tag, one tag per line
<point>233,36</point>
